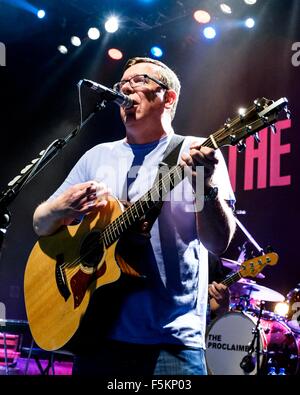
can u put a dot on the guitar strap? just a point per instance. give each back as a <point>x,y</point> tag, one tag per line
<point>170,159</point>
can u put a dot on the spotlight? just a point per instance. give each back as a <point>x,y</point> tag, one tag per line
<point>209,32</point>
<point>281,308</point>
<point>225,8</point>
<point>242,111</point>
<point>156,52</point>
<point>115,54</point>
<point>112,24</point>
<point>249,22</point>
<point>93,33</point>
<point>201,16</point>
<point>75,41</point>
<point>62,49</point>
<point>41,14</point>
<point>250,2</point>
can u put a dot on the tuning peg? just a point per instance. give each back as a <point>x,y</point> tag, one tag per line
<point>256,137</point>
<point>288,113</point>
<point>257,104</point>
<point>241,146</point>
<point>227,123</point>
<point>232,138</point>
<point>265,120</point>
<point>273,128</point>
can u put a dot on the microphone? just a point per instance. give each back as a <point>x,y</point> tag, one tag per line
<point>248,363</point>
<point>108,93</point>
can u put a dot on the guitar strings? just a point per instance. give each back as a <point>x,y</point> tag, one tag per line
<point>119,221</point>
<point>208,143</point>
<point>95,244</point>
<point>111,228</point>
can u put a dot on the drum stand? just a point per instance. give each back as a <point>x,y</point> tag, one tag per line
<point>248,362</point>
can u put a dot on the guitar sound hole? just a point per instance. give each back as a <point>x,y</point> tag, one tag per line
<point>91,250</point>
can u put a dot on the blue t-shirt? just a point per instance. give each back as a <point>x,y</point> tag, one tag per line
<point>171,306</point>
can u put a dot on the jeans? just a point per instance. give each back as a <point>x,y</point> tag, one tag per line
<point>122,359</point>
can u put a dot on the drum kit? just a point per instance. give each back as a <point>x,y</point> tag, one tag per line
<point>250,339</point>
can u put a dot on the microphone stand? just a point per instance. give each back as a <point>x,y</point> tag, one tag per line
<point>248,235</point>
<point>31,170</point>
<point>247,361</point>
<point>256,334</point>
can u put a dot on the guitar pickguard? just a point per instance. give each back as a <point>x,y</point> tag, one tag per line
<point>81,281</point>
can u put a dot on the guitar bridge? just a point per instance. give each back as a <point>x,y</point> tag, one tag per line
<point>60,278</point>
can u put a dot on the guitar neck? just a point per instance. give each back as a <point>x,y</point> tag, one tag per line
<point>166,183</point>
<point>142,206</point>
<point>231,279</point>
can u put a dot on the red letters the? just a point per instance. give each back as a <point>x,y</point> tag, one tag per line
<point>276,151</point>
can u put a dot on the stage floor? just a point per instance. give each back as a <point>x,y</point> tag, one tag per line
<point>60,368</point>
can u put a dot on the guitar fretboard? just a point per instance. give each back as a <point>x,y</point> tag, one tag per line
<point>142,206</point>
<point>231,279</point>
<point>138,209</point>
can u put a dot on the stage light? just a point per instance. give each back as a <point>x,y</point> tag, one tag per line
<point>112,24</point>
<point>156,52</point>
<point>62,49</point>
<point>202,16</point>
<point>281,309</point>
<point>41,14</point>
<point>209,32</point>
<point>249,22</point>
<point>250,2</point>
<point>93,33</point>
<point>242,111</point>
<point>225,8</point>
<point>75,41</point>
<point>115,54</point>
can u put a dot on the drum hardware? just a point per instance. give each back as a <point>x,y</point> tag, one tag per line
<point>251,289</point>
<point>293,316</point>
<point>247,295</point>
<point>248,362</point>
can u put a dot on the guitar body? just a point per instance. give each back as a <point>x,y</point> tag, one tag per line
<point>58,285</point>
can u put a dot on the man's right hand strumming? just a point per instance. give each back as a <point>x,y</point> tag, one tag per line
<point>73,204</point>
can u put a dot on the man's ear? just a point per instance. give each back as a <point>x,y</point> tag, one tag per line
<point>170,98</point>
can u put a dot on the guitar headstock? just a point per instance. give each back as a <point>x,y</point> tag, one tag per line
<point>252,267</point>
<point>261,114</point>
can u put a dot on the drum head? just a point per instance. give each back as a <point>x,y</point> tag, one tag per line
<point>227,342</point>
<point>294,325</point>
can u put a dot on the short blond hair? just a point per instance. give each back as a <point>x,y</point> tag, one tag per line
<point>167,76</point>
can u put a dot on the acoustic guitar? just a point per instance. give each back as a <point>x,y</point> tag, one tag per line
<point>65,268</point>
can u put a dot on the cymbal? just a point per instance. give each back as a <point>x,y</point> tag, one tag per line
<point>236,266</point>
<point>245,287</point>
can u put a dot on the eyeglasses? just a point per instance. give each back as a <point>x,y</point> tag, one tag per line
<point>137,81</point>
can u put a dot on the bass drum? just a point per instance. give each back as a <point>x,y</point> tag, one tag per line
<point>228,339</point>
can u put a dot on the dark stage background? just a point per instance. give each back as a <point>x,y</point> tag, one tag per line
<point>39,103</point>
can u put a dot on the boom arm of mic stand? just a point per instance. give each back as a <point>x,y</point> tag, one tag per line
<point>31,170</point>
<point>250,238</point>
